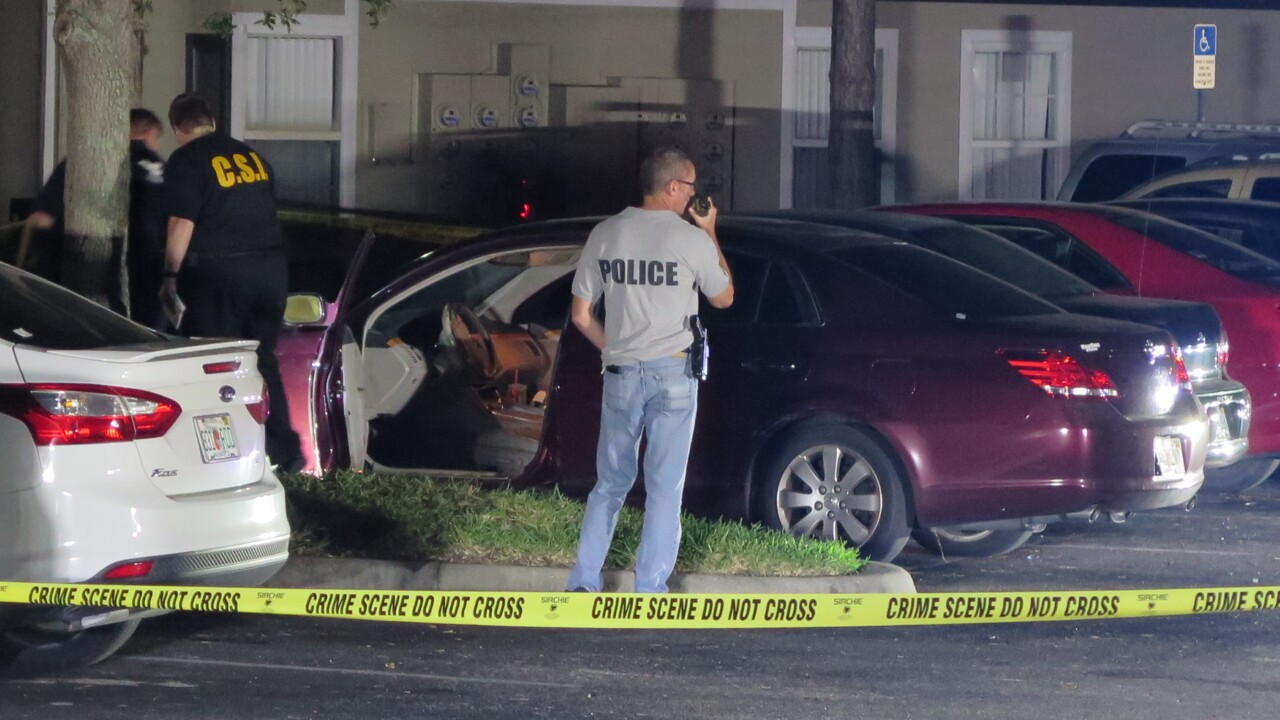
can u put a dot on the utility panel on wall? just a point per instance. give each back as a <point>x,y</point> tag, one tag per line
<point>510,146</point>
<point>697,117</point>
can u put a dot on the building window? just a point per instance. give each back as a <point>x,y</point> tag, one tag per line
<point>1015,114</point>
<point>810,184</point>
<point>293,97</point>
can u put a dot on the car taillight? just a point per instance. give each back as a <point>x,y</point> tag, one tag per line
<point>129,570</point>
<point>1224,351</point>
<point>1060,375</point>
<point>1180,368</point>
<point>73,414</point>
<point>260,409</point>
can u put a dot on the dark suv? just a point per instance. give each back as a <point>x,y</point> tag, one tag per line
<point>1109,168</point>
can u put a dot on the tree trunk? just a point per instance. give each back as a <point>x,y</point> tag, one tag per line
<point>854,160</point>
<point>99,53</point>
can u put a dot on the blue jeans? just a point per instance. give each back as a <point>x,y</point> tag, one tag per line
<point>659,399</point>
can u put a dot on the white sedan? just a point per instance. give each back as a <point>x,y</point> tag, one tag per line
<point>129,456</point>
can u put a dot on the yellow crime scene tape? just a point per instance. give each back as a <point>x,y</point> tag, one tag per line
<point>649,611</point>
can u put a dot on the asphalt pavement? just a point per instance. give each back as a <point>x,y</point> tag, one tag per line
<point>1225,666</point>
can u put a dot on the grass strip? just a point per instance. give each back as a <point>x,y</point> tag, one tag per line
<point>398,517</point>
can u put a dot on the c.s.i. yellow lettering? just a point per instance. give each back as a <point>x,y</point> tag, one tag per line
<point>222,170</point>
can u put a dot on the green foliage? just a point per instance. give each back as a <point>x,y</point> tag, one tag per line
<point>397,517</point>
<point>219,24</point>
<point>377,10</point>
<point>286,16</point>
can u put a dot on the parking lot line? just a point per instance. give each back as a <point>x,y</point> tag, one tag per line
<point>1130,548</point>
<point>350,671</point>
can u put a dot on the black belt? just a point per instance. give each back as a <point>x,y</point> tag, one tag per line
<point>617,369</point>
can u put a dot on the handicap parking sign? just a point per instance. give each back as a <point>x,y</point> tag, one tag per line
<point>1205,40</point>
<point>1204,56</point>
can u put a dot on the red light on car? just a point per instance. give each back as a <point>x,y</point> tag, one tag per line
<point>127,571</point>
<point>1180,368</point>
<point>1060,375</point>
<point>526,211</point>
<point>72,414</point>
<point>260,409</point>
<point>1224,352</point>
<point>221,367</point>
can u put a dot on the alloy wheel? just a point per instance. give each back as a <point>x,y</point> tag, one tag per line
<point>830,492</point>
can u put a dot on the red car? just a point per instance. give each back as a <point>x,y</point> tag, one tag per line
<point>1126,251</point>
<point>861,389</point>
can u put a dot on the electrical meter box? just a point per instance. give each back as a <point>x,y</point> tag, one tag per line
<point>696,116</point>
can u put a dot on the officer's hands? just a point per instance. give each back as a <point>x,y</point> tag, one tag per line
<point>708,221</point>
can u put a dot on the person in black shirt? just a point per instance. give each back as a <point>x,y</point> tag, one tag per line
<point>145,255</point>
<point>225,252</point>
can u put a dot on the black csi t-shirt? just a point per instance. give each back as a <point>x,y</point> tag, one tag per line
<point>226,188</point>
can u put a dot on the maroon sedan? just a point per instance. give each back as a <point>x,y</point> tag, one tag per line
<point>861,389</point>
<point>1126,251</point>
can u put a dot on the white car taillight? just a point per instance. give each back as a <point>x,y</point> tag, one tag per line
<point>1060,375</point>
<point>74,414</point>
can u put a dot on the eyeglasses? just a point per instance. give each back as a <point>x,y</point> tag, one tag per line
<point>691,184</point>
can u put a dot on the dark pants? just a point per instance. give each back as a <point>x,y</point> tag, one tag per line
<point>243,296</point>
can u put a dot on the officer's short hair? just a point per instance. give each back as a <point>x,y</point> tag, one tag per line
<point>141,120</point>
<point>188,112</point>
<point>660,167</point>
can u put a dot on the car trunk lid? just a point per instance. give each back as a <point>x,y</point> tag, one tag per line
<point>1137,359</point>
<point>216,443</point>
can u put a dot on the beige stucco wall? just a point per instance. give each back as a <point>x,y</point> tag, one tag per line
<point>20,71</point>
<point>587,45</point>
<point>1128,64</point>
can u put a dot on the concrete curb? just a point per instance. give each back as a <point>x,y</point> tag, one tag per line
<point>348,573</point>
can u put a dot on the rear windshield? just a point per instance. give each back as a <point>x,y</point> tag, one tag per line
<point>36,312</point>
<point>993,254</point>
<point>1111,176</point>
<point>1211,250</point>
<point>950,287</point>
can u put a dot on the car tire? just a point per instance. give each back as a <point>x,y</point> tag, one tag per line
<point>795,487</point>
<point>35,649</point>
<point>960,543</point>
<point>1240,475</point>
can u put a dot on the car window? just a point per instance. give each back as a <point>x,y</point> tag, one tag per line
<point>1197,189</point>
<point>1267,188</point>
<point>749,272</point>
<point>1111,176</point>
<point>993,254</point>
<point>417,317</point>
<point>37,312</point>
<point>1209,249</point>
<point>320,254</point>
<point>780,300</point>
<point>950,287</point>
<point>1062,250</point>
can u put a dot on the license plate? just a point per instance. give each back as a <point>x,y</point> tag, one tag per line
<point>1169,460</point>
<point>1218,427</point>
<point>217,439</point>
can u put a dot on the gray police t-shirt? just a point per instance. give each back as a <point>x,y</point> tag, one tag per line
<point>649,266</point>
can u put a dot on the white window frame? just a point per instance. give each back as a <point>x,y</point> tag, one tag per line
<point>819,38</point>
<point>1032,41</point>
<point>345,29</point>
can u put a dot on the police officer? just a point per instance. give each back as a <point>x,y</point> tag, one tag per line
<point>648,264</point>
<point>226,247</point>
<point>145,254</point>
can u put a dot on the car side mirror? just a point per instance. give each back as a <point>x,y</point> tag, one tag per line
<point>305,309</point>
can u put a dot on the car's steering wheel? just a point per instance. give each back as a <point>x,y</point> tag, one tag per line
<point>469,334</point>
